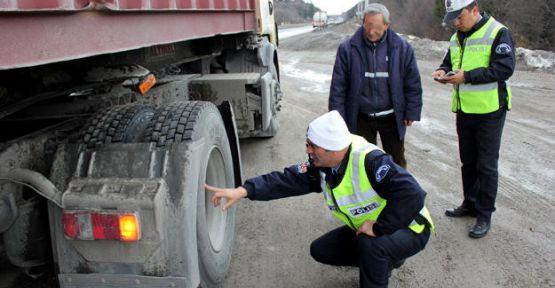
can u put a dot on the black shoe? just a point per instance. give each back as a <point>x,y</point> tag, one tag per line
<point>460,211</point>
<point>396,264</point>
<point>479,230</point>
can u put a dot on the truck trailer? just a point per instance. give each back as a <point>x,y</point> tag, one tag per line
<point>113,116</point>
<point>320,20</point>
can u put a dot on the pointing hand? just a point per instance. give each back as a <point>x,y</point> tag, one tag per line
<point>231,195</point>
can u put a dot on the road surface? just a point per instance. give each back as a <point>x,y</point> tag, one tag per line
<point>290,32</point>
<point>273,238</point>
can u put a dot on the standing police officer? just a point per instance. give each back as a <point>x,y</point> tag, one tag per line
<point>481,55</point>
<point>379,202</point>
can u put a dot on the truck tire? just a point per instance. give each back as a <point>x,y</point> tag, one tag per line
<point>193,121</point>
<point>124,123</point>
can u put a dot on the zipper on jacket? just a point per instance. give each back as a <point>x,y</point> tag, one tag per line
<point>364,59</point>
<point>374,81</point>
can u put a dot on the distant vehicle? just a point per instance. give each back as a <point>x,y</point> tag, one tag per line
<point>320,20</point>
<point>334,19</point>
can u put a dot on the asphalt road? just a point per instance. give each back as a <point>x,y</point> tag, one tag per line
<point>273,238</point>
<point>290,32</point>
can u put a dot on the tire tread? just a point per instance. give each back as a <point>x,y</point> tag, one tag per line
<point>110,125</point>
<point>174,123</point>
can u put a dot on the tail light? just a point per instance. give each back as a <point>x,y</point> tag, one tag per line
<point>94,225</point>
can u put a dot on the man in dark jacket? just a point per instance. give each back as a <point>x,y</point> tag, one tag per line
<point>481,97</point>
<point>376,83</point>
<point>378,235</point>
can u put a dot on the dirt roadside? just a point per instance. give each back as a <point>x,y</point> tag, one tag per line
<point>273,238</point>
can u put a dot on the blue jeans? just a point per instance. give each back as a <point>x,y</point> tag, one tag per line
<point>374,256</point>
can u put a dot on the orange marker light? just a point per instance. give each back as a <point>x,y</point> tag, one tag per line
<point>129,227</point>
<point>147,83</point>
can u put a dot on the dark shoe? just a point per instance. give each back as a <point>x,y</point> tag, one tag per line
<point>396,264</point>
<point>479,230</point>
<point>460,211</point>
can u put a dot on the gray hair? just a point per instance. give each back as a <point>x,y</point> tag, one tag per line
<point>377,8</point>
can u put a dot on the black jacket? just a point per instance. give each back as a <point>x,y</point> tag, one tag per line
<point>501,67</point>
<point>405,198</point>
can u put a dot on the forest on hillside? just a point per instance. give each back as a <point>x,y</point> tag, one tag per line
<point>531,22</point>
<point>294,11</point>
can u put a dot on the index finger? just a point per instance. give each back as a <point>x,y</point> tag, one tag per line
<point>212,188</point>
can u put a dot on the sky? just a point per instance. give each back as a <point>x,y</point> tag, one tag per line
<point>334,6</point>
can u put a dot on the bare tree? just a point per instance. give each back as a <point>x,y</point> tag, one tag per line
<point>532,22</point>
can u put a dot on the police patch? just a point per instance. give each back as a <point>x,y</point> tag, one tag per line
<point>503,49</point>
<point>303,167</point>
<point>364,210</point>
<point>382,172</point>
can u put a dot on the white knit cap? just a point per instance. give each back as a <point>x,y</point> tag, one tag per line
<point>329,131</point>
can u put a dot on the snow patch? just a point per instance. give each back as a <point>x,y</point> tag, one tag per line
<point>536,59</point>
<point>290,32</point>
<point>433,45</point>
<point>539,59</point>
<point>431,125</point>
<point>316,82</point>
<point>324,89</point>
<point>306,74</point>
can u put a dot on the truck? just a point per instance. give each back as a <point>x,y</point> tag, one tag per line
<point>320,20</point>
<point>114,115</point>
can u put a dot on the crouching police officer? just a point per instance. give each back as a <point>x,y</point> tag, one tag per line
<point>380,203</point>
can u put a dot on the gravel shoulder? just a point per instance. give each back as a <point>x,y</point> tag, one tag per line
<point>273,238</point>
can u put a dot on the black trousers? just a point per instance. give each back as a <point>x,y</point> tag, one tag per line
<point>368,127</point>
<point>479,143</point>
<point>373,255</point>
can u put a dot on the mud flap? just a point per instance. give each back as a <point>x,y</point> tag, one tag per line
<point>268,94</point>
<point>133,177</point>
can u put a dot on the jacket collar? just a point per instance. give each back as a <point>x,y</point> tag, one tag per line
<point>334,180</point>
<point>478,25</point>
<point>345,161</point>
<point>368,43</point>
<point>357,41</point>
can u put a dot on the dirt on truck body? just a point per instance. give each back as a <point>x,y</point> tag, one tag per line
<point>114,114</point>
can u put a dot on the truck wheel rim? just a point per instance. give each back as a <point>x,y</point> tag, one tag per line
<point>215,218</point>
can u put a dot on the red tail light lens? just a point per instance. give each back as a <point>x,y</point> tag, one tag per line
<point>87,225</point>
<point>105,226</point>
<point>70,225</point>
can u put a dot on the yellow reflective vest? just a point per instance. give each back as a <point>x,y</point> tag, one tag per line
<point>475,52</point>
<point>354,201</point>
